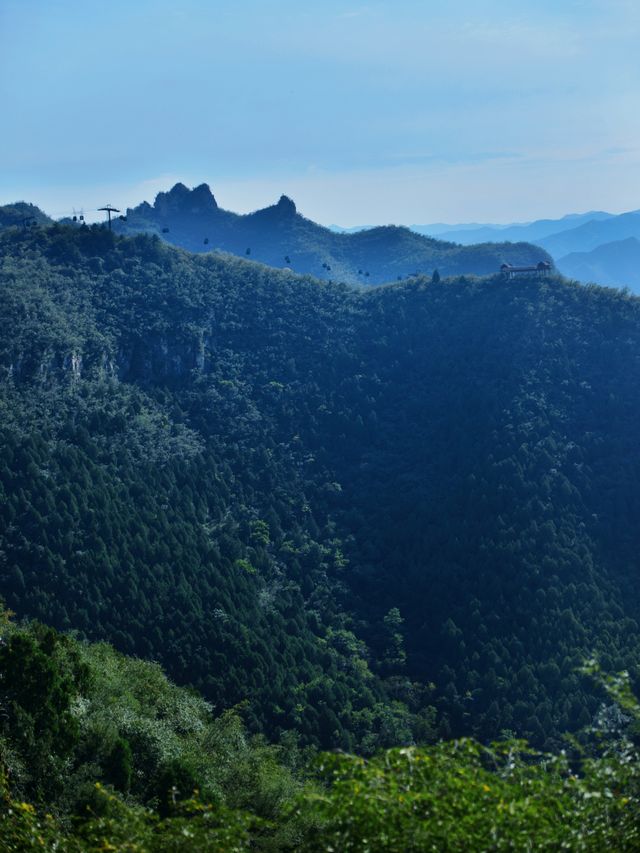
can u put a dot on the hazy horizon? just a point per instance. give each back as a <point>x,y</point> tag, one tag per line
<point>361,112</point>
<point>93,214</point>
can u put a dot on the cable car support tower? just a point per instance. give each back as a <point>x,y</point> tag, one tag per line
<point>109,211</point>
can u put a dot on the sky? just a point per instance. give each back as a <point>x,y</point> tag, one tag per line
<point>409,112</point>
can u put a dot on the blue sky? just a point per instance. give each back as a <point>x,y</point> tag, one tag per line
<point>405,112</point>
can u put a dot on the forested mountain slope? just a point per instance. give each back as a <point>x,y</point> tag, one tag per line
<point>101,752</point>
<point>22,214</point>
<point>281,237</point>
<point>348,507</point>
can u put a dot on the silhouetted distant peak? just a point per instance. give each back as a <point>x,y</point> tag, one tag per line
<point>180,199</point>
<point>279,235</point>
<point>202,195</point>
<point>286,205</point>
<point>283,210</point>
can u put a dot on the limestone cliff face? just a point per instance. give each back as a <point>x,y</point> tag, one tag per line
<point>160,357</point>
<point>154,358</point>
<point>49,365</point>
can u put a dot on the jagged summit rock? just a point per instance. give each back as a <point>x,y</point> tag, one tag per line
<point>180,199</point>
<point>286,205</point>
<point>178,189</point>
<point>284,208</point>
<point>202,196</point>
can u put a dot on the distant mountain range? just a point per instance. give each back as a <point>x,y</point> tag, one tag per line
<point>596,246</point>
<point>590,247</point>
<point>532,232</point>
<point>281,237</point>
<point>616,264</point>
<point>592,234</point>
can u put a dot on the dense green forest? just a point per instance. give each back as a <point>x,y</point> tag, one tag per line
<point>375,517</point>
<point>350,518</point>
<point>100,752</point>
<point>279,236</point>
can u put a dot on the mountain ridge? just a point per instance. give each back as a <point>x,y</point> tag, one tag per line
<point>615,264</point>
<point>592,234</point>
<point>532,232</point>
<point>280,236</point>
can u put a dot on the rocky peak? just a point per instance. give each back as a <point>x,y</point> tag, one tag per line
<point>286,205</point>
<point>180,199</point>
<point>202,196</point>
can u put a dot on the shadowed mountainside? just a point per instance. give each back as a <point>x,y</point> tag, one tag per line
<point>375,515</point>
<point>280,237</point>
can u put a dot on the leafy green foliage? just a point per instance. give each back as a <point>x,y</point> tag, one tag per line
<point>41,673</point>
<point>461,796</point>
<point>149,769</point>
<point>124,749</point>
<point>112,825</point>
